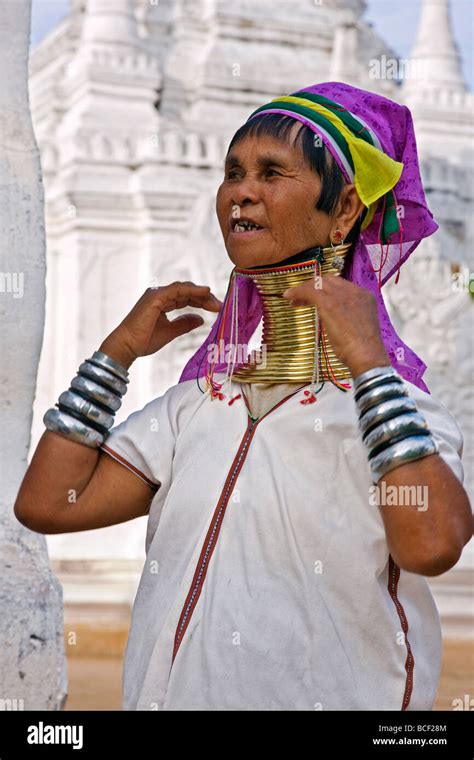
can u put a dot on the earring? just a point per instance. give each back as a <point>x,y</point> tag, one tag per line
<point>337,261</point>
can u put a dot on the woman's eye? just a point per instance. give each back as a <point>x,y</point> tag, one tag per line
<point>233,173</point>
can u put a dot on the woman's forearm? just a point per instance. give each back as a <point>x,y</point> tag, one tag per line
<point>427,515</point>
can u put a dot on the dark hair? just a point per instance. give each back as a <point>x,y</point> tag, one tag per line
<point>317,157</point>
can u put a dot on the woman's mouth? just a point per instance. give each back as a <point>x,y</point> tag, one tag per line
<point>246,230</point>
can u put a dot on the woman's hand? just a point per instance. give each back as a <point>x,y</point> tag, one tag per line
<point>146,328</point>
<point>349,315</point>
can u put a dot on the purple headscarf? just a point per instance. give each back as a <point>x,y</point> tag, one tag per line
<point>371,264</point>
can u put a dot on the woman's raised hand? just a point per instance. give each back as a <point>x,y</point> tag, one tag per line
<point>146,328</point>
<point>350,317</point>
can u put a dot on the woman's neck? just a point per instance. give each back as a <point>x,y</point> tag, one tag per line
<point>287,350</point>
<point>309,254</point>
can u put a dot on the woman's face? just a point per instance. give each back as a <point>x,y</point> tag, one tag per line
<point>268,182</point>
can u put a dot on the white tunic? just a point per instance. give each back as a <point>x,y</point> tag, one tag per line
<point>268,583</point>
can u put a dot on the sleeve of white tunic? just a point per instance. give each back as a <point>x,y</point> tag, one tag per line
<point>138,442</point>
<point>144,443</point>
<point>444,429</point>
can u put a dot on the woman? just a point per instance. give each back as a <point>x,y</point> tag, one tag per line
<point>278,574</point>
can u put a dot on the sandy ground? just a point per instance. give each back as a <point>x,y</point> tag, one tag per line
<point>95,682</point>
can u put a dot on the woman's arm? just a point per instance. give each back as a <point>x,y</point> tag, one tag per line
<point>69,486</point>
<point>427,538</point>
<point>428,542</point>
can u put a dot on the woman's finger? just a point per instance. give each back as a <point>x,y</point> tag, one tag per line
<point>301,295</point>
<point>181,294</point>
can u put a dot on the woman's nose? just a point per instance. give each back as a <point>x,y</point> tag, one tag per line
<point>246,191</point>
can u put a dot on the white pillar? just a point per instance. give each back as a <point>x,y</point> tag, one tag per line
<point>32,663</point>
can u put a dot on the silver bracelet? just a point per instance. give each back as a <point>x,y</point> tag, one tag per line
<point>86,411</point>
<point>392,428</point>
<point>376,382</point>
<point>408,450</point>
<point>412,423</point>
<point>385,411</point>
<point>102,360</point>
<point>375,396</point>
<point>97,393</point>
<point>373,376</point>
<point>103,377</point>
<point>70,427</point>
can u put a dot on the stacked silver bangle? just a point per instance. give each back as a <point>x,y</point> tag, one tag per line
<point>392,428</point>
<point>85,413</point>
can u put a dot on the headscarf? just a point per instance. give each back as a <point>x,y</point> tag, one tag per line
<point>372,140</point>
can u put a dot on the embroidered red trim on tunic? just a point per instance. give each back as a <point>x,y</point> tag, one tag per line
<point>393,578</point>
<point>129,466</point>
<point>214,528</point>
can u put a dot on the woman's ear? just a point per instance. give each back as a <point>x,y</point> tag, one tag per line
<point>348,209</point>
